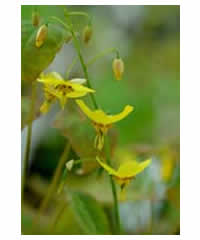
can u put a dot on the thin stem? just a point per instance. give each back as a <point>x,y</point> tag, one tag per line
<point>53,184</point>
<point>77,46</point>
<point>114,192</point>
<point>28,140</point>
<point>102,54</point>
<point>61,22</point>
<point>26,157</point>
<point>71,66</point>
<point>78,14</point>
<point>58,215</point>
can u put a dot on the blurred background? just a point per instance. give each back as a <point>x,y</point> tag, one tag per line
<point>148,39</point>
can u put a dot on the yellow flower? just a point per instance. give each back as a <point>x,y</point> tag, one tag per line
<point>55,87</point>
<point>167,165</point>
<point>102,122</point>
<point>126,172</point>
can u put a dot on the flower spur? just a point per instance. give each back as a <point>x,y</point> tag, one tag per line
<point>102,122</point>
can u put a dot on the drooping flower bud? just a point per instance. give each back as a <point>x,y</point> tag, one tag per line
<point>41,35</point>
<point>118,68</point>
<point>87,34</point>
<point>69,165</point>
<point>35,18</point>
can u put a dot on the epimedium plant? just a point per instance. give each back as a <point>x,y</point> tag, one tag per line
<point>40,43</point>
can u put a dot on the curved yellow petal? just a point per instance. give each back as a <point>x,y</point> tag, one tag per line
<point>110,170</point>
<point>78,87</point>
<point>54,75</point>
<point>78,90</point>
<point>132,168</point>
<point>76,94</point>
<point>52,78</point>
<point>86,110</point>
<point>99,116</point>
<point>115,118</point>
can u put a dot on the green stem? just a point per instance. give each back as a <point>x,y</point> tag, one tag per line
<point>28,140</point>
<point>53,184</point>
<point>114,192</point>
<point>26,158</point>
<point>77,46</point>
<point>78,14</point>
<point>102,54</point>
<point>58,215</point>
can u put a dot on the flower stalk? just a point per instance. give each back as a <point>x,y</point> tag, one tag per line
<point>114,192</point>
<point>54,182</point>
<point>28,140</point>
<point>102,54</point>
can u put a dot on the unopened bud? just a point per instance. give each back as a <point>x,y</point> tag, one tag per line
<point>87,34</point>
<point>69,165</point>
<point>80,171</point>
<point>41,35</point>
<point>35,18</point>
<point>118,68</point>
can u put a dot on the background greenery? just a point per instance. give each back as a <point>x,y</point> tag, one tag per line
<point>147,38</point>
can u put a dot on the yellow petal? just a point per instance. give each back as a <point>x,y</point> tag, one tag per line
<point>51,79</point>
<point>115,118</point>
<point>132,168</point>
<point>167,167</point>
<point>78,80</point>
<point>85,109</point>
<point>79,91</point>
<point>45,107</point>
<point>49,91</point>
<point>76,94</point>
<point>99,116</point>
<point>110,170</point>
<point>79,88</point>
<point>54,75</point>
<point>63,101</point>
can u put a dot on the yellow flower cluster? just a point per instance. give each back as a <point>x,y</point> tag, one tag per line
<point>56,88</point>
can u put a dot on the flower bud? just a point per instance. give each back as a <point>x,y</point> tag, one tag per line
<point>87,34</point>
<point>35,18</point>
<point>118,68</point>
<point>69,165</point>
<point>41,35</point>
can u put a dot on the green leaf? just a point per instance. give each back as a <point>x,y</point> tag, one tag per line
<point>89,214</point>
<point>34,59</point>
